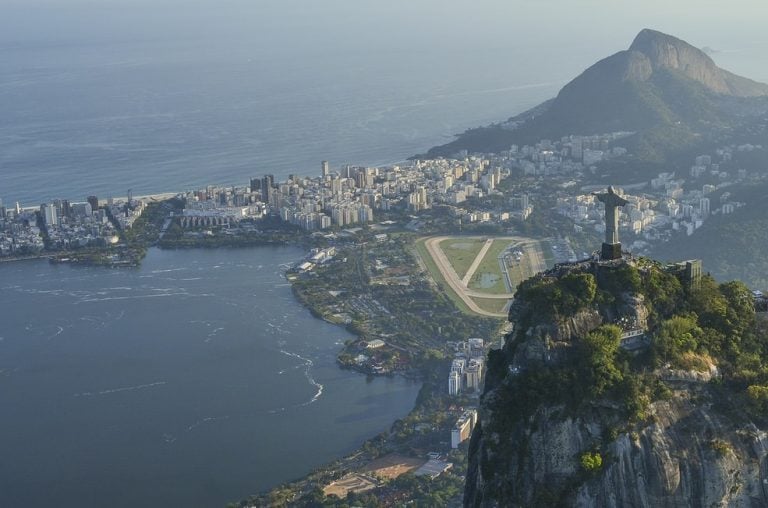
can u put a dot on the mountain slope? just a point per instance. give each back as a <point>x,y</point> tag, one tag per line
<point>666,90</point>
<point>573,416</point>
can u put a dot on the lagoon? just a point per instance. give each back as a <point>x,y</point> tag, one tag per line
<point>194,380</point>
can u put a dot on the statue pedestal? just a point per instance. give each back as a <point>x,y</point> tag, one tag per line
<point>610,251</point>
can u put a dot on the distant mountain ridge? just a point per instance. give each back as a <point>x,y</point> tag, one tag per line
<point>664,89</point>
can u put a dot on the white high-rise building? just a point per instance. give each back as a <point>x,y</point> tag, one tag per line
<point>50,214</point>
<point>454,383</point>
<point>704,207</point>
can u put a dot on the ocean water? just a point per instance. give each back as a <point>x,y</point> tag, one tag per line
<point>84,120</point>
<point>194,380</point>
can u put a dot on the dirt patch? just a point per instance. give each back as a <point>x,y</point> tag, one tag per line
<point>392,466</point>
<point>351,482</point>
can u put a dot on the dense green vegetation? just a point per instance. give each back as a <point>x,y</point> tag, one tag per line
<point>549,296</point>
<point>710,325</point>
<point>591,461</point>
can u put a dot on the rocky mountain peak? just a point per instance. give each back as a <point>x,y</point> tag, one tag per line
<point>663,51</point>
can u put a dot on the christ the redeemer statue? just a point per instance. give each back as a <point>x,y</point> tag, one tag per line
<point>612,201</point>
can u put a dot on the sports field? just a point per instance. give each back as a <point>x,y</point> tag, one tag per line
<point>481,274</point>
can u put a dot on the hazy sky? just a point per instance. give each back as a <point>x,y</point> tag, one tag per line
<point>406,24</point>
<point>568,35</point>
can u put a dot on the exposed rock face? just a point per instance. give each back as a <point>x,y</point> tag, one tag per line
<point>677,461</point>
<point>661,51</point>
<point>690,455</point>
<point>547,343</point>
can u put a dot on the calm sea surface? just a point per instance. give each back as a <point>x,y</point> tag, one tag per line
<point>88,120</point>
<point>192,381</point>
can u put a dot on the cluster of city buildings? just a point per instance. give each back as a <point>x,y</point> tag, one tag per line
<point>567,156</point>
<point>19,232</point>
<point>670,204</point>
<point>467,368</point>
<point>219,206</point>
<point>354,195</point>
<point>65,225</point>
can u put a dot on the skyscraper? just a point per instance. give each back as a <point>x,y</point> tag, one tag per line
<point>267,184</point>
<point>454,383</point>
<point>50,214</point>
<point>94,202</point>
<point>324,169</point>
<point>66,208</point>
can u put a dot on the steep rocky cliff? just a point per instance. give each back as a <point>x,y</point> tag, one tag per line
<point>569,420</point>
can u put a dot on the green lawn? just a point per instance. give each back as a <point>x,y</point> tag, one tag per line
<point>489,278</point>
<point>461,252</point>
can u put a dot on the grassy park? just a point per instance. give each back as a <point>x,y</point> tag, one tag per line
<point>461,252</point>
<point>489,278</point>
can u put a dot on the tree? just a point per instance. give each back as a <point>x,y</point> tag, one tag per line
<point>591,461</point>
<point>676,336</point>
<point>758,398</point>
<point>598,359</point>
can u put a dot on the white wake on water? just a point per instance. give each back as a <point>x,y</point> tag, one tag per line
<point>118,390</point>
<point>308,374</point>
<point>59,331</point>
